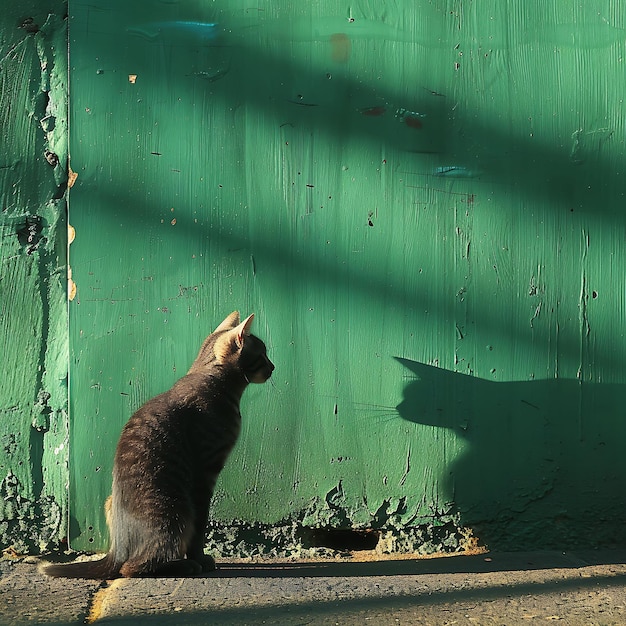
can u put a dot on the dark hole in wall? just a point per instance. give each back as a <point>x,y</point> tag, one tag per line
<point>29,232</point>
<point>340,539</point>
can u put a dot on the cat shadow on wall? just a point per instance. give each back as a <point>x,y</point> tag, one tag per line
<point>544,461</point>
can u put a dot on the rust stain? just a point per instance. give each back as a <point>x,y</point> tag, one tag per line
<point>413,122</point>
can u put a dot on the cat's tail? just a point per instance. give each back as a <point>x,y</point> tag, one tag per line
<point>103,569</point>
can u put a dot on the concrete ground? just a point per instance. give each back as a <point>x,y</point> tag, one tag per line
<point>581,587</point>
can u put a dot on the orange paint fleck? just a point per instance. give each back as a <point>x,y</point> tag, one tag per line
<point>341,47</point>
<point>71,178</point>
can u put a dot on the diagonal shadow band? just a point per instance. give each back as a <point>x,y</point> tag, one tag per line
<point>259,77</point>
<point>354,601</point>
<point>538,171</point>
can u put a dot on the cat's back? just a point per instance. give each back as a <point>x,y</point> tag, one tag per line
<point>153,431</point>
<point>193,417</point>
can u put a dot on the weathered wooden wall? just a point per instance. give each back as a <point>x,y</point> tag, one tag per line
<point>33,304</point>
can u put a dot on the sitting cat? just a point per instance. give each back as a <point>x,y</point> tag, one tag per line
<point>168,458</point>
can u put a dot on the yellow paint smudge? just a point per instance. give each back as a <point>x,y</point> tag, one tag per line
<point>101,600</point>
<point>71,285</point>
<point>71,178</point>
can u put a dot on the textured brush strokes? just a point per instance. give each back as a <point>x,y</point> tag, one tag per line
<point>480,240</point>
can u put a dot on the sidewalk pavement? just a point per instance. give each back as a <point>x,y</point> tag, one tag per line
<point>580,587</point>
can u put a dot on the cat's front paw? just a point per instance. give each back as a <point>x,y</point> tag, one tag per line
<point>175,568</point>
<point>207,562</point>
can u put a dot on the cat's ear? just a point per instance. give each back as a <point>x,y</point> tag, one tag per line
<point>229,323</point>
<point>243,330</point>
<point>232,341</point>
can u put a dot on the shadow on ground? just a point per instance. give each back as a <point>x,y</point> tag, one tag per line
<point>459,564</point>
<point>359,595</point>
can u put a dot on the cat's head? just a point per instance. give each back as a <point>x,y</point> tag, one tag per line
<point>231,345</point>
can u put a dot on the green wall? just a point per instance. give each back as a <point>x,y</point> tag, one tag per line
<point>421,201</point>
<point>33,304</point>
<point>423,204</point>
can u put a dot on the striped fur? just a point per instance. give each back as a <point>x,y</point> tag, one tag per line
<point>168,458</point>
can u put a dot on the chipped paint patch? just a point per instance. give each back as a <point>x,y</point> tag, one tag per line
<point>244,540</point>
<point>26,524</point>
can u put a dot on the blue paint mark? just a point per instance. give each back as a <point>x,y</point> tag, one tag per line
<point>177,31</point>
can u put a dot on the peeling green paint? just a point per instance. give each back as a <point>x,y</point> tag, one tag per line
<point>27,525</point>
<point>33,303</point>
<point>289,540</point>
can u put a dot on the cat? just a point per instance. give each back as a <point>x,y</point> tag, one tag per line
<point>168,458</point>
